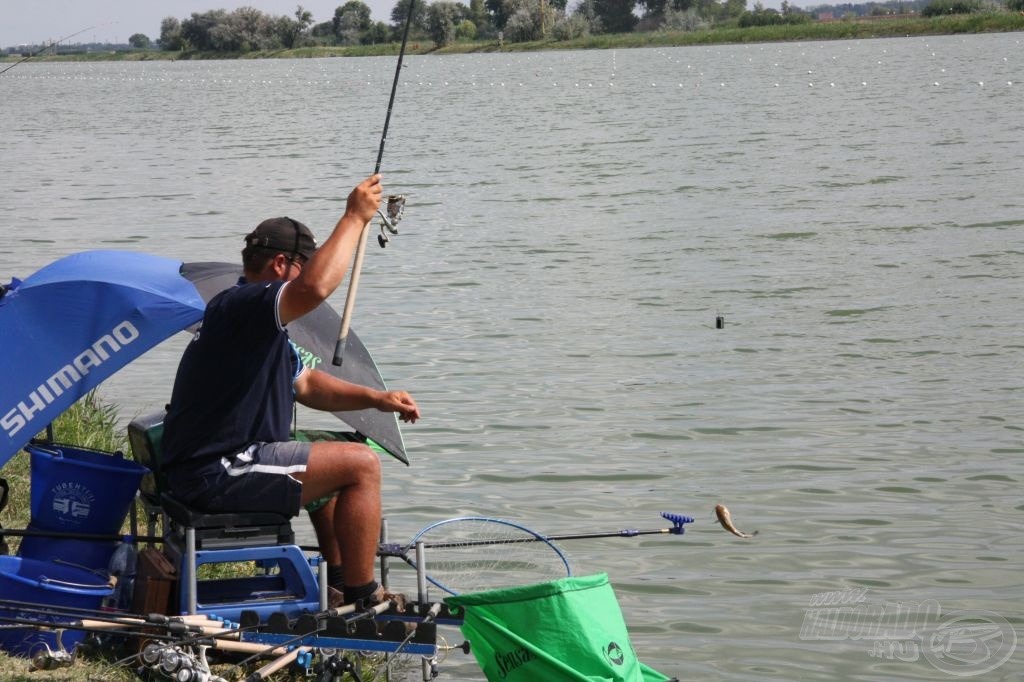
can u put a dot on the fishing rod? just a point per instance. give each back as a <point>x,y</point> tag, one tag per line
<point>169,637</point>
<point>177,645</point>
<point>145,629</point>
<point>677,528</point>
<point>400,551</point>
<point>283,661</point>
<point>228,638</point>
<point>357,264</point>
<point>166,650</point>
<point>284,651</point>
<point>517,555</point>
<point>79,613</point>
<point>183,630</point>
<point>44,47</point>
<point>170,631</point>
<point>89,626</point>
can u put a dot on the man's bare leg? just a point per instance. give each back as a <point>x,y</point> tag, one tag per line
<point>326,537</point>
<point>353,471</point>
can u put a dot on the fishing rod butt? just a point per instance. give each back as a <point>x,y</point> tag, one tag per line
<point>350,297</point>
<point>339,352</point>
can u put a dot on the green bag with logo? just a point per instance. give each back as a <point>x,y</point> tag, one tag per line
<point>567,630</point>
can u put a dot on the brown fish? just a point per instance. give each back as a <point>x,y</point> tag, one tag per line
<point>725,518</point>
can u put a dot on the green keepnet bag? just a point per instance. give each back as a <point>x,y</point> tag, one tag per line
<point>570,629</point>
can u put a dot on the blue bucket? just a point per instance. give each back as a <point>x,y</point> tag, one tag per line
<point>46,584</point>
<point>75,490</point>
<point>86,554</point>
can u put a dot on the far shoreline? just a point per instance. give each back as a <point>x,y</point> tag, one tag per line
<point>846,29</point>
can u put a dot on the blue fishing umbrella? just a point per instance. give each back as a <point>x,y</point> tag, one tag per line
<point>72,324</point>
<point>77,321</point>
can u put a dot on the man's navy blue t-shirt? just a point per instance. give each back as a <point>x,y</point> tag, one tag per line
<point>234,382</point>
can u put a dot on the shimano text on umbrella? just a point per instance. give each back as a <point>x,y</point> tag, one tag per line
<point>68,376</point>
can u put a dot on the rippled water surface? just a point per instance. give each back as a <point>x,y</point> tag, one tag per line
<point>576,223</point>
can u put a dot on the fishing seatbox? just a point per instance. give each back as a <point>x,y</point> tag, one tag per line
<point>155,580</point>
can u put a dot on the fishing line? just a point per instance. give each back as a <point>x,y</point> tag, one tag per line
<point>394,87</point>
<point>357,265</point>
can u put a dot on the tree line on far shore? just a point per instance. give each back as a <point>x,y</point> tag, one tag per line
<point>448,21</point>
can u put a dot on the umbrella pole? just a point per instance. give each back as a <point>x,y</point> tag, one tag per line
<point>357,265</point>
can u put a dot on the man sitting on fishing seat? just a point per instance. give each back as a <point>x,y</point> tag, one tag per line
<point>226,435</point>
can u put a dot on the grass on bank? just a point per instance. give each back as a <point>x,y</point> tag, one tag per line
<point>847,29</point>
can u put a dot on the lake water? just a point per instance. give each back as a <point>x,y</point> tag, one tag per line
<point>576,222</point>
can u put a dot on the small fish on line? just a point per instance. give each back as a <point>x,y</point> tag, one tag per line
<point>725,518</point>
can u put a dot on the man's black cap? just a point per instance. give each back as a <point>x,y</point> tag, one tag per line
<point>282,235</point>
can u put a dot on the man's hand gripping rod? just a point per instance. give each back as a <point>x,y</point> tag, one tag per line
<point>357,264</point>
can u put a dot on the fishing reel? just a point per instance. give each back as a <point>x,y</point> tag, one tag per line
<point>48,659</point>
<point>389,222</point>
<point>177,664</point>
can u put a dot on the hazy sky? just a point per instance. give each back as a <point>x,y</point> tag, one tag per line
<point>33,21</point>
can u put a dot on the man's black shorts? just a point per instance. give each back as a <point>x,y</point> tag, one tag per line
<point>257,479</point>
